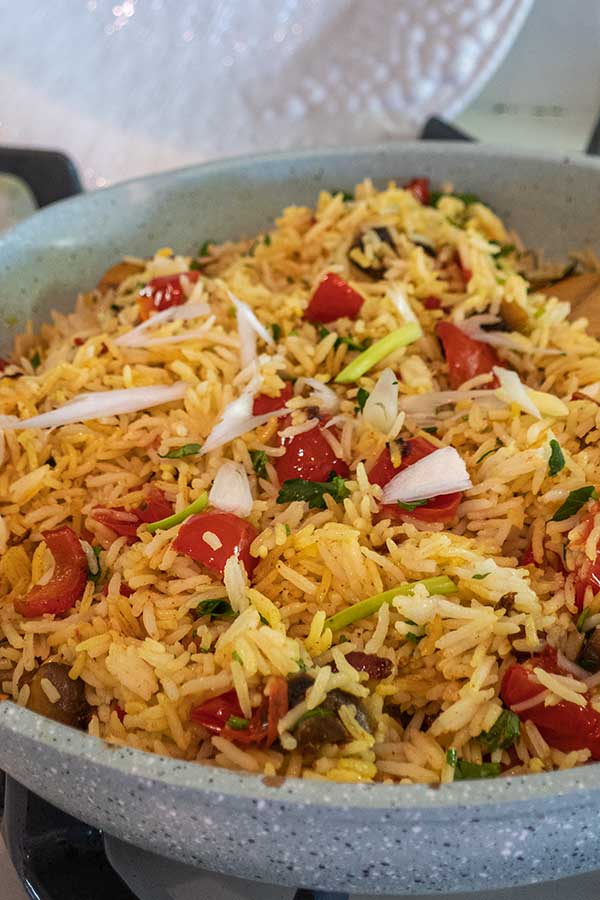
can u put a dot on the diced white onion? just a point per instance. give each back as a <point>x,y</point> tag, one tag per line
<point>136,338</point>
<point>512,390</point>
<point>381,409</point>
<point>237,419</point>
<point>428,404</point>
<point>99,404</point>
<point>178,338</point>
<point>511,341</point>
<point>231,489</point>
<point>326,397</point>
<point>398,298</point>
<point>248,329</point>
<point>442,472</point>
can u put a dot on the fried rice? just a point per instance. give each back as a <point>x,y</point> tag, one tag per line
<point>242,663</point>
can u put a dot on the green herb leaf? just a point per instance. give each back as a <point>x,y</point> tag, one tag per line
<point>317,712</point>
<point>414,638</point>
<point>503,734</point>
<point>412,504</point>
<point>489,452</point>
<point>36,360</point>
<point>197,506</point>
<point>451,756</point>
<point>267,240</point>
<point>480,576</point>
<point>465,770</point>
<point>556,463</point>
<point>313,491</point>
<point>393,341</point>
<point>195,266</point>
<point>276,332</point>
<point>574,502</point>
<point>441,584</point>
<point>346,196</point>
<point>236,656</point>
<point>215,609</point>
<point>430,429</point>
<point>237,723</point>
<point>350,343</point>
<point>585,614</point>
<point>362,395</point>
<point>259,462</point>
<point>180,452</point>
<point>203,251</point>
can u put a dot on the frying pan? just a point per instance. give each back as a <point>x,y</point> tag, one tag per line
<point>358,838</point>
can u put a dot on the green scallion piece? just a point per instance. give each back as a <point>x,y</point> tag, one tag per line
<point>237,723</point>
<point>441,584</point>
<point>401,337</point>
<point>197,506</point>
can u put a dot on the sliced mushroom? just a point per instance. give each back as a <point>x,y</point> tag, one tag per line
<point>71,708</point>
<point>368,251</point>
<point>323,727</point>
<point>589,655</point>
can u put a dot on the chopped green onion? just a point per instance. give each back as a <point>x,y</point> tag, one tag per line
<point>259,462</point>
<point>505,732</point>
<point>574,502</point>
<point>465,770</point>
<point>451,756</point>
<point>556,463</point>
<point>411,504</point>
<point>180,452</point>
<point>401,337</point>
<point>237,723</point>
<point>585,614</point>
<point>441,584</point>
<point>197,506</point>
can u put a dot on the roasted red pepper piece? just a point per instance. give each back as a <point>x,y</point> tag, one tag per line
<point>333,299</point>
<point>214,715</point>
<point>162,292</point>
<point>438,509</point>
<point>465,356</point>
<point>265,404</point>
<point>125,522</point>
<point>236,536</point>
<point>309,456</point>
<point>67,584</point>
<point>419,188</point>
<point>565,726</point>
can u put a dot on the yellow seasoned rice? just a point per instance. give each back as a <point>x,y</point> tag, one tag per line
<point>155,635</point>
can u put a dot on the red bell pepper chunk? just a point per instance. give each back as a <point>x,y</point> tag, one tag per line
<point>309,456</point>
<point>236,536</point>
<point>125,522</point>
<point>438,509</point>
<point>419,188</point>
<point>67,584</point>
<point>162,292</point>
<point>565,726</point>
<point>333,299</point>
<point>265,404</point>
<point>465,356</point>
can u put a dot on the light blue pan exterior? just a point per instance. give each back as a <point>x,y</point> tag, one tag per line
<point>357,838</point>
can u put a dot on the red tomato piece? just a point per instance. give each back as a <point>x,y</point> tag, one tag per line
<point>438,509</point>
<point>432,303</point>
<point>235,534</point>
<point>214,714</point>
<point>155,507</point>
<point>333,299</point>
<point>565,726</point>
<point>419,188</point>
<point>125,522</point>
<point>67,584</point>
<point>311,457</point>
<point>465,356</point>
<point>265,404</point>
<point>162,292</point>
<point>277,692</point>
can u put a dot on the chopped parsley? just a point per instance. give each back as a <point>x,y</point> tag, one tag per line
<point>480,576</point>
<point>215,609</point>
<point>313,491</point>
<point>203,251</point>
<point>237,723</point>
<point>350,343</point>
<point>503,734</point>
<point>180,452</point>
<point>412,504</point>
<point>465,770</point>
<point>259,462</point>
<point>36,360</point>
<point>362,395</point>
<point>556,463</point>
<point>574,502</point>
<point>276,331</point>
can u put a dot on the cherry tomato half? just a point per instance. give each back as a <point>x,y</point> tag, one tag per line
<point>265,404</point>
<point>465,356</point>
<point>309,456</point>
<point>67,584</point>
<point>125,522</point>
<point>333,299</point>
<point>162,292</point>
<point>419,188</point>
<point>235,534</point>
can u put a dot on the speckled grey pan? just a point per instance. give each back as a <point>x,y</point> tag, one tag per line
<point>360,838</point>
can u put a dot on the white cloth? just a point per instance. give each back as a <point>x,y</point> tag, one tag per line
<point>128,87</point>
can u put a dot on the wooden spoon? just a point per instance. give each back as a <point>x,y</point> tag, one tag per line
<point>583,293</point>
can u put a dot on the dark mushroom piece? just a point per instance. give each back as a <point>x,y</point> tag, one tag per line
<point>322,725</point>
<point>376,267</point>
<point>71,708</point>
<point>589,655</point>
